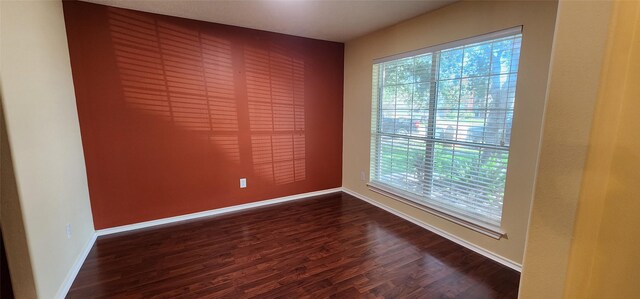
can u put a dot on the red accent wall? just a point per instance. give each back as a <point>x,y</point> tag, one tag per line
<point>173,112</point>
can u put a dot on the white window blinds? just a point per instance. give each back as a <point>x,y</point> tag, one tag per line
<point>441,125</point>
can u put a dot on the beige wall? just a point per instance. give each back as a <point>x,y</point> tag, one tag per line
<point>453,22</point>
<point>604,260</point>
<point>44,138</point>
<point>13,232</point>
<point>579,45</point>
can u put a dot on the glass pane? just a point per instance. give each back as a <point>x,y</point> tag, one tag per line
<point>470,176</point>
<point>501,56</point>
<point>385,148</point>
<point>511,93</point>
<point>450,64</point>
<point>515,55</point>
<point>448,94</point>
<point>476,60</point>
<point>400,160</point>
<point>473,105</point>
<point>403,122</point>
<point>419,122</point>
<point>399,71</point>
<point>389,98</point>
<point>448,103</point>
<point>498,91</point>
<point>405,70</point>
<point>390,74</point>
<point>404,96</point>
<point>421,93</point>
<point>507,129</point>
<point>423,68</point>
<point>420,109</point>
<point>416,165</point>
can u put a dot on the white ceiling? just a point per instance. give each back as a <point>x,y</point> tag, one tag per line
<point>333,20</point>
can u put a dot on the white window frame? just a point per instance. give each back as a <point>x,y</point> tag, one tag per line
<point>414,200</point>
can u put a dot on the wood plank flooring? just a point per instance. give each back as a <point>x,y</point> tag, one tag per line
<point>332,246</point>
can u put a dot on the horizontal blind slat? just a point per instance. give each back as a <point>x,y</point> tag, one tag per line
<point>448,145</point>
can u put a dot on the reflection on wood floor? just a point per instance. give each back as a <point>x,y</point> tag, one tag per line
<point>328,246</point>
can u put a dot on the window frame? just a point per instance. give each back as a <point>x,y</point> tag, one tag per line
<point>431,206</point>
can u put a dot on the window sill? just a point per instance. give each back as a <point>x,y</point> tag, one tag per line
<point>486,229</point>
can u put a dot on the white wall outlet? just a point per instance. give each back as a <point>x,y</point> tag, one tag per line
<point>243,183</point>
<point>363,177</point>
<point>68,230</point>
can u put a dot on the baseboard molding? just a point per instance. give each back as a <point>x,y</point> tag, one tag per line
<point>500,259</point>
<point>73,272</point>
<point>135,226</point>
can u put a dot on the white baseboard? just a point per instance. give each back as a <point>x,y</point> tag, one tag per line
<point>73,272</point>
<point>130,227</point>
<point>500,259</point>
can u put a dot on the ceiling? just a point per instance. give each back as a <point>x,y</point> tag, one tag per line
<point>333,20</point>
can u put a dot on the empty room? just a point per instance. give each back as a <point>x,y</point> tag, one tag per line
<point>319,149</point>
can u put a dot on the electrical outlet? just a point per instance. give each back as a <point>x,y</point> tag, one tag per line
<point>363,177</point>
<point>243,183</point>
<point>68,230</point>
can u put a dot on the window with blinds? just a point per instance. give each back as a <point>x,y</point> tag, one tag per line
<point>441,125</point>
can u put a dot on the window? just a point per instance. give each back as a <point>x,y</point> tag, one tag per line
<point>441,125</point>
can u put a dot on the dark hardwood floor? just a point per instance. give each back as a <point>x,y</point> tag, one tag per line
<point>330,246</point>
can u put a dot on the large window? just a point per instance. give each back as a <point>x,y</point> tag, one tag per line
<point>441,125</point>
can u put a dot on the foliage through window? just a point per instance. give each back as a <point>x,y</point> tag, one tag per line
<point>441,125</point>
